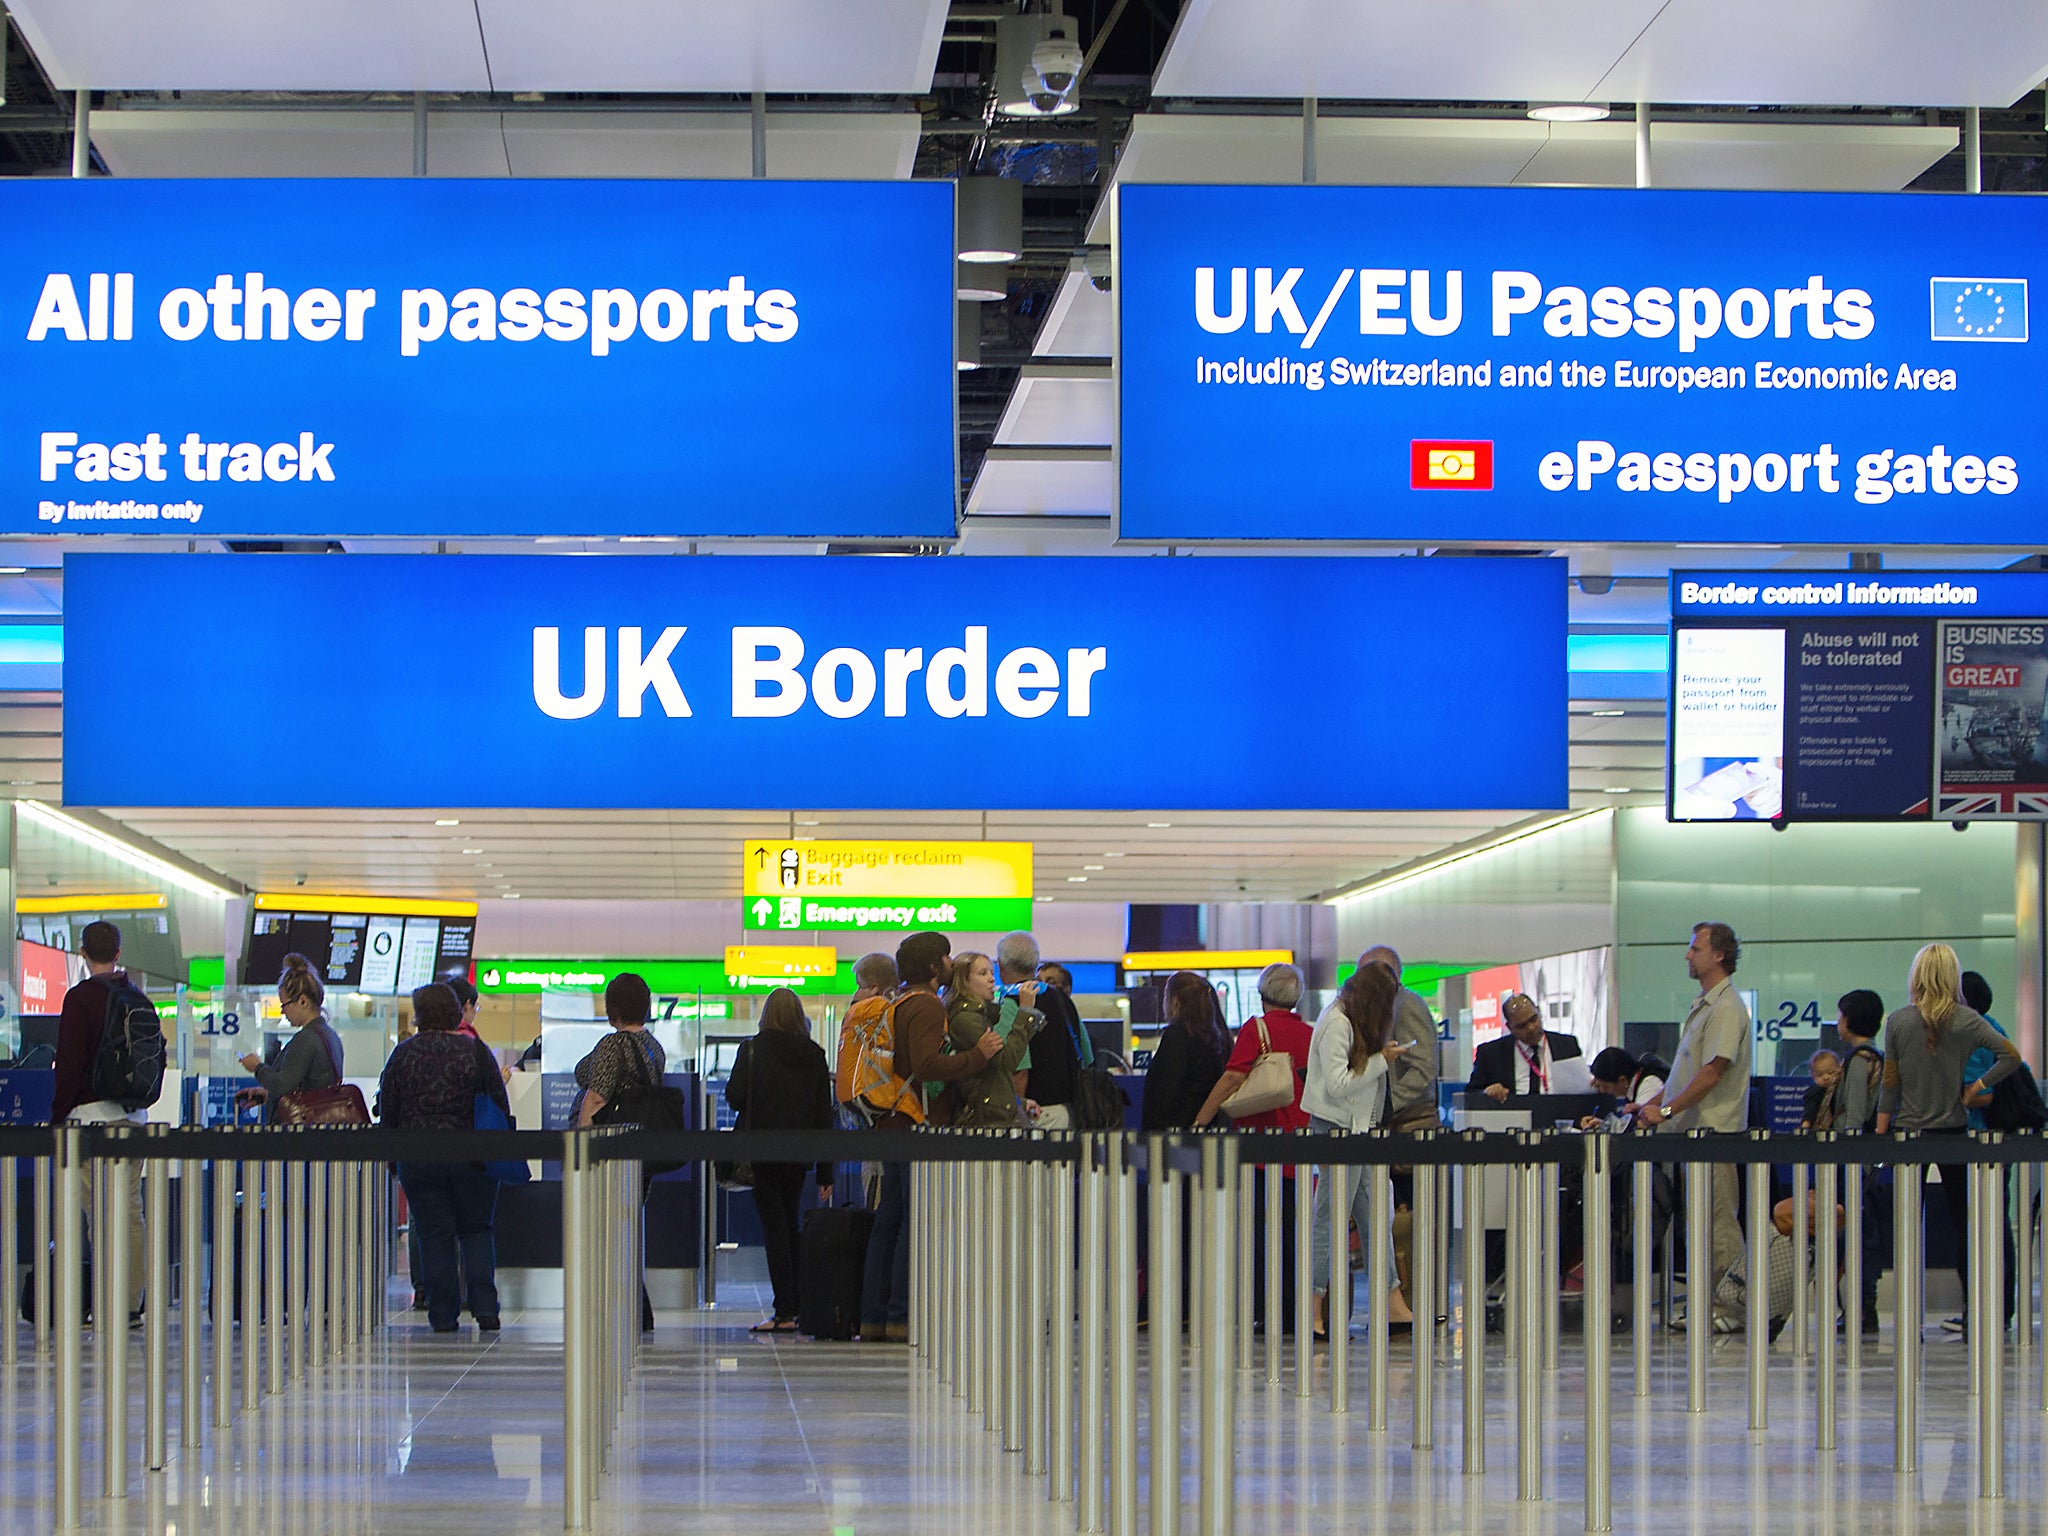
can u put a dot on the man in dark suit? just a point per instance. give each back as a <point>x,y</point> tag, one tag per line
<point>1522,1060</point>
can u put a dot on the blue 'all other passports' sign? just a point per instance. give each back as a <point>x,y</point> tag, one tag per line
<point>844,682</point>
<point>324,359</point>
<point>1434,364</point>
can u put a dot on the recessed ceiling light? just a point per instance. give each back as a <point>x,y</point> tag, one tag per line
<point>1617,789</point>
<point>1041,898</point>
<point>1156,825</point>
<point>1113,854</point>
<point>1607,713</point>
<point>1077,879</point>
<point>511,895</point>
<point>447,821</point>
<point>472,850</point>
<point>13,570</point>
<point>1567,112</point>
<point>1092,866</point>
<point>807,823</point>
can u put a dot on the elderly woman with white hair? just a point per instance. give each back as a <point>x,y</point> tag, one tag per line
<point>1277,1030</point>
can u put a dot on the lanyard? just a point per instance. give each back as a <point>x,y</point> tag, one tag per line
<point>1534,1062</point>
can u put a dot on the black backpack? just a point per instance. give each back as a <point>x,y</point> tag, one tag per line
<point>2016,1103</point>
<point>128,1069</point>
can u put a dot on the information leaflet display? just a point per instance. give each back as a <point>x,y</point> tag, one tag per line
<point>331,359</point>
<point>1549,364</point>
<point>1850,698</point>
<point>853,683</point>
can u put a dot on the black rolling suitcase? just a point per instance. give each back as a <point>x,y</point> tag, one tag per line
<point>831,1261</point>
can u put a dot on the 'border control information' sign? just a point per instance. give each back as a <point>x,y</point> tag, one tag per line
<point>1527,363</point>
<point>1815,695</point>
<point>320,359</point>
<point>851,683</point>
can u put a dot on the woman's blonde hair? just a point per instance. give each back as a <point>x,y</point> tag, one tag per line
<point>1934,984</point>
<point>962,964</point>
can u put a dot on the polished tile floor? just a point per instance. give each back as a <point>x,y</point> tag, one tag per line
<point>727,1432</point>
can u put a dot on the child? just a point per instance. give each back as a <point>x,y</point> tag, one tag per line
<point>1826,1068</point>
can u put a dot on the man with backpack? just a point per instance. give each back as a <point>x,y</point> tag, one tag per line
<point>898,1057</point>
<point>110,1063</point>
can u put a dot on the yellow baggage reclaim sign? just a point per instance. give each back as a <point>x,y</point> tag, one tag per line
<point>821,885</point>
<point>775,961</point>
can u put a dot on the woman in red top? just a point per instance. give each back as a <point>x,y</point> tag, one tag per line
<point>1283,1030</point>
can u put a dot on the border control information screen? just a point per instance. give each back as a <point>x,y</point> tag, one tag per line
<point>1814,696</point>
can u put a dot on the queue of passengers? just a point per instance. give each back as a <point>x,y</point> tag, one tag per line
<point>995,1041</point>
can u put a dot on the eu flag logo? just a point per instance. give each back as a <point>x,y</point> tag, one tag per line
<point>1979,308</point>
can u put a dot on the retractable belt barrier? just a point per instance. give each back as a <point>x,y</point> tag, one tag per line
<point>1042,1229</point>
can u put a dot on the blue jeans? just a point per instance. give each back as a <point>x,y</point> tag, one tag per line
<point>885,1288</point>
<point>1319,1250</point>
<point>452,1206</point>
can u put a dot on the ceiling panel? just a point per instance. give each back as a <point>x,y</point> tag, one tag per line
<point>303,45</point>
<point>1235,149</point>
<point>1082,321</point>
<point>1060,404</point>
<point>1042,482</point>
<point>862,47</point>
<point>878,47</point>
<point>1885,52</point>
<point>300,142</point>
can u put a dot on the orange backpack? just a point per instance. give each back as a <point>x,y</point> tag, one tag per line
<point>865,1079</point>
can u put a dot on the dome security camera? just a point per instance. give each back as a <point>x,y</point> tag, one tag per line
<point>1096,264</point>
<point>1057,63</point>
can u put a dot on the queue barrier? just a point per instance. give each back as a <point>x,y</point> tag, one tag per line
<point>1043,1225</point>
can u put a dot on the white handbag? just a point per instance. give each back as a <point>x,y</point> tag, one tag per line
<point>1268,1086</point>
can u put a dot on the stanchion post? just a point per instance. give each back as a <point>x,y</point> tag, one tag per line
<point>1037,1192</point>
<point>156,1341</point>
<point>1987,1318</point>
<point>191,1194</point>
<point>1473,1300</point>
<point>221,1293</point>
<point>1802,1272</point>
<point>1756,1293</point>
<point>316,1265</point>
<point>1337,1300</point>
<point>1642,1251</point>
<point>1060,1376</point>
<point>986,1395</point>
<point>1305,1280</point>
<point>1830,1296</point>
<point>274,1198</point>
<point>250,1325</point>
<point>1218,1470</point>
<point>10,1251</point>
<point>1273,1298</point>
<point>1016,1266</point>
<point>115,1256</point>
<point>1907,1179</point>
<point>295,1202</point>
<point>1528,1302</point>
<point>576,1362</point>
<point>1699,1281</point>
<point>1599,1307</point>
<point>1379,1286</point>
<point>2022,1178</point>
<point>1852,1263</point>
<point>1247,1255</point>
<point>41,1175</point>
<point>67,1279</point>
<point>1123,1353</point>
<point>1163,1289</point>
<point>1548,1270</point>
<point>1422,1229</point>
<point>1094,1326</point>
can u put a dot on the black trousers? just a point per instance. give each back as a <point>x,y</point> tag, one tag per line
<point>1955,1188</point>
<point>778,1190</point>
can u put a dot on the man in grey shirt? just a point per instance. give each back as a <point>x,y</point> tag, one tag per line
<point>1411,1097</point>
<point>1709,1090</point>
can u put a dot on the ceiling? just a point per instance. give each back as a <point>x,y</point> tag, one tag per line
<point>1958,53</point>
<point>865,47</point>
<point>150,141</point>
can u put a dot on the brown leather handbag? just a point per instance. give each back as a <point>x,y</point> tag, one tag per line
<point>340,1105</point>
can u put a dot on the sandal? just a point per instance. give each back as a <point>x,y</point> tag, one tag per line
<point>766,1325</point>
<point>786,1325</point>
